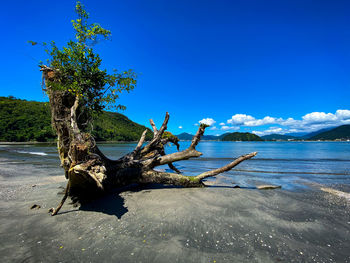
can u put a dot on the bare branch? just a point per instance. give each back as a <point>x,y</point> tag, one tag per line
<point>226,167</point>
<point>155,130</point>
<point>197,137</point>
<point>141,141</point>
<point>178,156</point>
<point>164,125</point>
<point>173,157</point>
<point>172,167</point>
<point>157,136</point>
<point>54,211</point>
<point>152,176</point>
<point>174,140</point>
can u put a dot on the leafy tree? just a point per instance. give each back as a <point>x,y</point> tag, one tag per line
<point>78,67</point>
<point>72,79</point>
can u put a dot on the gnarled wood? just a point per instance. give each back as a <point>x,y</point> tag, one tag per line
<point>90,172</point>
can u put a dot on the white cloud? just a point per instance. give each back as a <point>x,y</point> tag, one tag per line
<point>343,114</point>
<point>264,121</point>
<point>309,122</point>
<point>248,120</point>
<point>240,119</point>
<point>226,128</point>
<point>271,130</point>
<point>319,117</point>
<point>275,130</point>
<point>289,121</point>
<point>259,133</point>
<point>180,127</point>
<point>207,121</point>
<point>214,128</point>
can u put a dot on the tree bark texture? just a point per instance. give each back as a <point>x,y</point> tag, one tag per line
<point>91,173</point>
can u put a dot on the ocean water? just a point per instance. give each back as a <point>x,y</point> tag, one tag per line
<point>293,165</point>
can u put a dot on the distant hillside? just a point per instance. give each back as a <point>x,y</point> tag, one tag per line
<point>187,137</point>
<point>297,134</point>
<point>184,136</point>
<point>210,138</point>
<point>22,120</point>
<point>312,134</point>
<point>241,136</point>
<point>236,136</point>
<point>277,137</point>
<point>339,133</point>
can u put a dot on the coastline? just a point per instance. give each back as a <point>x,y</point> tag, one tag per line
<point>168,224</point>
<point>299,223</point>
<point>116,142</point>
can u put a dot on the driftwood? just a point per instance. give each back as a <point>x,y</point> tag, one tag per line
<point>91,173</point>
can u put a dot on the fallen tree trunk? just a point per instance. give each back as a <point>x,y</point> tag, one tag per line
<point>90,173</point>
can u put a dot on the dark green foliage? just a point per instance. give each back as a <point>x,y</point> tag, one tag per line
<point>339,133</point>
<point>22,120</point>
<point>312,134</point>
<point>241,136</point>
<point>169,135</point>
<point>111,126</point>
<point>78,68</point>
<point>185,136</point>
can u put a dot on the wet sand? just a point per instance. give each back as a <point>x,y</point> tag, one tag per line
<point>160,224</point>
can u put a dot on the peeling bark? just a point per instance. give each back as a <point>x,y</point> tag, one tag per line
<point>90,172</point>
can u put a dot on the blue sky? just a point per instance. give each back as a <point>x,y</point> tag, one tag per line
<point>264,66</point>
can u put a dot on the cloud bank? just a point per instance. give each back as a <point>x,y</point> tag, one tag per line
<point>308,123</point>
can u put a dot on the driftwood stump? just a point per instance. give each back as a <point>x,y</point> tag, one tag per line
<point>90,173</point>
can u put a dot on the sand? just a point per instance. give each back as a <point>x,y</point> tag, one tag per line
<point>165,224</point>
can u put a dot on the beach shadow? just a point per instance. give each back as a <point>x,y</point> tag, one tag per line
<point>233,187</point>
<point>151,186</point>
<point>112,204</point>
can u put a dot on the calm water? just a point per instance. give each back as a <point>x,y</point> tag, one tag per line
<point>290,164</point>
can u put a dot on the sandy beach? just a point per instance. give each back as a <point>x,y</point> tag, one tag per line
<point>165,224</point>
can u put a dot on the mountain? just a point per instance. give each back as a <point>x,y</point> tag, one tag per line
<point>241,136</point>
<point>188,137</point>
<point>236,136</point>
<point>22,120</point>
<point>210,138</point>
<point>184,136</point>
<point>338,133</point>
<point>278,137</point>
<point>296,134</point>
<point>312,134</point>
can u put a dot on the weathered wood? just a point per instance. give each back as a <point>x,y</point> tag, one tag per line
<point>90,172</point>
<point>226,167</point>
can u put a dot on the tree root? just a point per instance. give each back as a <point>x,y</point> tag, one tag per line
<point>54,211</point>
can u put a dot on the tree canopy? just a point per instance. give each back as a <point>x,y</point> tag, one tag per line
<point>78,68</point>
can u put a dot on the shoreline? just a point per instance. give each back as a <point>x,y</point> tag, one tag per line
<point>168,224</point>
<point>123,142</point>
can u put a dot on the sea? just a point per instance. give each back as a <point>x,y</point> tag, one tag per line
<point>293,165</point>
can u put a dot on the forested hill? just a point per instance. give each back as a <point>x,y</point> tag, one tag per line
<point>339,133</point>
<point>22,121</point>
<point>241,136</point>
